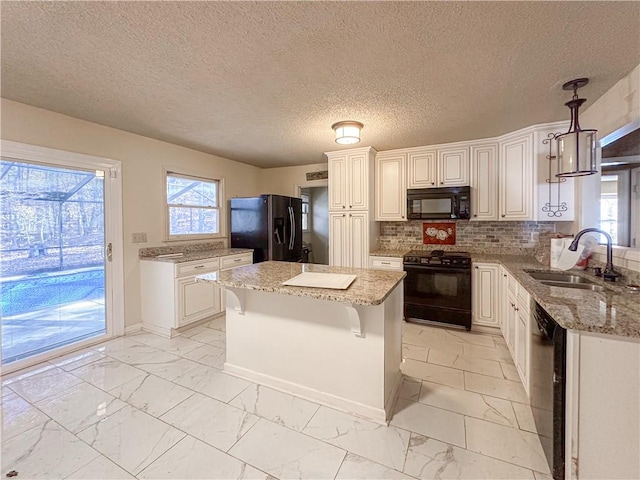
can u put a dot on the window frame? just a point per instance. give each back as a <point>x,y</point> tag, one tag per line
<point>308,212</point>
<point>221,201</point>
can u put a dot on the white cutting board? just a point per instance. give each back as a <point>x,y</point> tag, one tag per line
<point>337,281</point>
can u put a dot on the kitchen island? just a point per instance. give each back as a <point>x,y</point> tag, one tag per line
<point>338,347</point>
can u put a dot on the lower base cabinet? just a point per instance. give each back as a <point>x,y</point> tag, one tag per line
<point>485,297</point>
<point>499,300</point>
<point>171,296</point>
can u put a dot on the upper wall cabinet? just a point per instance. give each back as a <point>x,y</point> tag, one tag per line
<point>484,182</point>
<point>448,167</point>
<point>350,179</point>
<point>391,187</point>
<point>453,167</point>
<point>516,179</point>
<point>422,169</point>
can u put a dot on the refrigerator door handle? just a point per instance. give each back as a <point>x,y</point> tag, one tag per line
<point>293,228</point>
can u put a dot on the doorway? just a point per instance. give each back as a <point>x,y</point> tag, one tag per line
<point>315,213</point>
<point>58,225</point>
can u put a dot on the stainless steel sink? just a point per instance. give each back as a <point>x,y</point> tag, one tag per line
<point>559,277</point>
<point>580,286</point>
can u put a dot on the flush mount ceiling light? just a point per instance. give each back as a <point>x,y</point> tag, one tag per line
<point>576,148</point>
<point>347,132</point>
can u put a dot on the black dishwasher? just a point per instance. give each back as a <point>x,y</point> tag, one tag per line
<point>547,387</point>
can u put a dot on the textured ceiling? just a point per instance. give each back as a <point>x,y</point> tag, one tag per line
<point>262,82</point>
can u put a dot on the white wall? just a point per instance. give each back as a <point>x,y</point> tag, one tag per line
<point>617,108</point>
<point>283,180</point>
<point>142,162</point>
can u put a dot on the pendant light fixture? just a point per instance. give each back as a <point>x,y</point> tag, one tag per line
<point>347,132</point>
<point>577,148</point>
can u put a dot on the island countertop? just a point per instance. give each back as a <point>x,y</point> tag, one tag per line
<point>371,287</point>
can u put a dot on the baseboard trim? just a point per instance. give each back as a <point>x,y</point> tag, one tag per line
<point>136,327</point>
<point>374,414</point>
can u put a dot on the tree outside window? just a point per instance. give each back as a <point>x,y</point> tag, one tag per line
<point>193,207</point>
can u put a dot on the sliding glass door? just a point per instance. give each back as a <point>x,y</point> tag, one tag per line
<point>55,255</point>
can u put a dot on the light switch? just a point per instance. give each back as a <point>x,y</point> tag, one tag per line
<point>139,237</point>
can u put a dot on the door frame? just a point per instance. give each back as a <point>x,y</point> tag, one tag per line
<point>114,270</point>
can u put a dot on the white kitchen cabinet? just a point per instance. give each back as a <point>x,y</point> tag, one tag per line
<point>511,318</point>
<point>503,282</point>
<point>227,263</point>
<point>453,167</point>
<point>390,187</point>
<point>446,167</point>
<point>349,234</point>
<point>338,181</point>
<point>352,227</point>
<point>486,296</point>
<point>484,182</point>
<point>422,169</point>
<point>522,335</point>
<point>196,300</point>
<point>171,296</point>
<point>350,179</point>
<point>516,178</point>
<point>385,263</point>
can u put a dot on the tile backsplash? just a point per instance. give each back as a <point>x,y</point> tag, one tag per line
<point>492,237</point>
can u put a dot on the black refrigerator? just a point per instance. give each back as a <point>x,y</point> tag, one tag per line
<point>270,224</point>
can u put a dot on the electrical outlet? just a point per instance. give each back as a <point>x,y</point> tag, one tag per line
<point>139,237</point>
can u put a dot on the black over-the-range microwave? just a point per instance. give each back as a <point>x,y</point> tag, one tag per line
<point>438,203</point>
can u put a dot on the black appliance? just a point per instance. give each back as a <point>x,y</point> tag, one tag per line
<point>437,287</point>
<point>270,224</point>
<point>547,387</point>
<point>438,203</point>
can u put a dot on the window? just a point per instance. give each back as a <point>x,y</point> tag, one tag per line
<point>305,212</point>
<point>193,207</point>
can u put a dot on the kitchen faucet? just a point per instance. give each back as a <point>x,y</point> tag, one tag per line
<point>609,274</point>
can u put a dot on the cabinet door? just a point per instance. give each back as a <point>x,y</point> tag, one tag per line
<point>516,179</point>
<point>485,294</point>
<point>503,312</point>
<point>484,182</point>
<point>337,182</point>
<point>422,169</point>
<point>391,189</point>
<point>453,167</point>
<point>511,321</point>
<point>358,239</point>
<point>338,248</point>
<point>522,344</point>
<point>196,300</point>
<point>357,181</point>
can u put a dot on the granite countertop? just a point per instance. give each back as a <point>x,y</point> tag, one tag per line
<point>615,311</point>
<point>198,255</point>
<point>371,287</point>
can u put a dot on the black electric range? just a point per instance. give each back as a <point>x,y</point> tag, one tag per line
<point>437,287</point>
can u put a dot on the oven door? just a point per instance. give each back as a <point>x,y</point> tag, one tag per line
<point>438,294</point>
<point>431,207</point>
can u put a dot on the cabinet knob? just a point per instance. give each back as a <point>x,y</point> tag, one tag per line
<point>477,268</point>
<point>517,309</point>
<point>350,206</point>
<point>433,183</point>
<point>504,275</point>
<point>346,207</point>
<point>344,214</point>
<point>441,183</point>
<point>503,215</point>
<point>475,214</point>
<point>402,216</point>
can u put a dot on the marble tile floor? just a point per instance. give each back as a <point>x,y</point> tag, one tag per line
<point>148,407</point>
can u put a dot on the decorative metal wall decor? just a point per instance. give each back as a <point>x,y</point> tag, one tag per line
<point>319,175</point>
<point>554,207</point>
